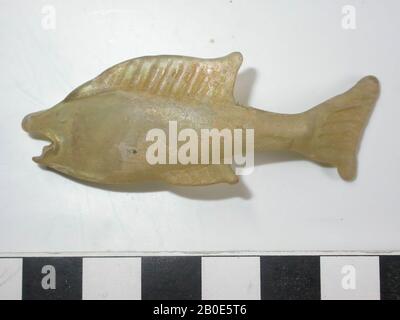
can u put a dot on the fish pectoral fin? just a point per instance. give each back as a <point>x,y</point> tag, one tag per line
<point>174,77</point>
<point>197,175</point>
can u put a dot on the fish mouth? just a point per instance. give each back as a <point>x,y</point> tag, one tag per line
<point>52,147</point>
<point>28,125</point>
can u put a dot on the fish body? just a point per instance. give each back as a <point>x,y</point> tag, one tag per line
<point>99,132</point>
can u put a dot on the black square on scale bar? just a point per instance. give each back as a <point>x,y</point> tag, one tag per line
<point>389,267</point>
<point>171,278</point>
<point>290,278</point>
<point>52,278</point>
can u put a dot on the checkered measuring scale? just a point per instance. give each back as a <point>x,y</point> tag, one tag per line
<point>195,277</point>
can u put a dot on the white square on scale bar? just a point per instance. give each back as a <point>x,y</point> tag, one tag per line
<point>10,279</point>
<point>230,278</point>
<point>111,279</point>
<point>350,278</point>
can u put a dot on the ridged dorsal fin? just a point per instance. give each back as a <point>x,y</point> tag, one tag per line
<point>175,77</point>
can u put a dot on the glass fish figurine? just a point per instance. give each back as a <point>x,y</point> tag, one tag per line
<point>103,131</point>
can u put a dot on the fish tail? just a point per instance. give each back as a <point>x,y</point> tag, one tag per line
<point>337,126</point>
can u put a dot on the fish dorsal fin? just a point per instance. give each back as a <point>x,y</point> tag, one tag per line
<point>175,77</point>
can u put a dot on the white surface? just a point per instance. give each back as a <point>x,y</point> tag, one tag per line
<point>111,279</point>
<point>350,278</point>
<point>296,55</point>
<point>230,278</point>
<point>10,279</point>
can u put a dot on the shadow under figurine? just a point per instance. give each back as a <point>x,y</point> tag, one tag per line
<point>99,132</point>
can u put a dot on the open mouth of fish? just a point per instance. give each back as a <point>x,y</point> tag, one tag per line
<point>28,124</point>
<point>46,149</point>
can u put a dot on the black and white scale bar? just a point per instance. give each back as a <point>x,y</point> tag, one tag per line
<point>206,278</point>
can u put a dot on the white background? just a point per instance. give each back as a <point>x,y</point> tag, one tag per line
<point>296,55</point>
